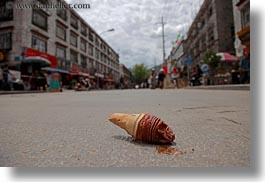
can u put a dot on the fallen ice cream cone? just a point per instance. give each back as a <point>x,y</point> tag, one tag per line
<point>144,127</point>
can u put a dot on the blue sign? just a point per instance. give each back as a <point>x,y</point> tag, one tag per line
<point>187,60</point>
<point>205,68</point>
<point>17,58</point>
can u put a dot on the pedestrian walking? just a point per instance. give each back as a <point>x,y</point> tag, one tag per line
<point>245,67</point>
<point>153,79</point>
<point>1,78</point>
<point>161,77</point>
<point>235,74</point>
<point>174,76</point>
<point>5,73</point>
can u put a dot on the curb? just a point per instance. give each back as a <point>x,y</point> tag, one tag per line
<point>223,87</point>
<point>20,92</point>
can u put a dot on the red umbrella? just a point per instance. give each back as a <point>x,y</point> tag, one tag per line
<point>225,56</point>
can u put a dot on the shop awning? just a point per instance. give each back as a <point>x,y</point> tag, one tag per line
<point>81,74</point>
<point>226,57</point>
<point>99,75</point>
<point>37,60</point>
<point>55,70</point>
<point>109,80</point>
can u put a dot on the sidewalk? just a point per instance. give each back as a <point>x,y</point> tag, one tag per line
<point>20,92</point>
<point>245,87</point>
<point>223,87</point>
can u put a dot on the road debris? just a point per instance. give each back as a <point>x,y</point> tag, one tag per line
<point>172,150</point>
<point>144,127</point>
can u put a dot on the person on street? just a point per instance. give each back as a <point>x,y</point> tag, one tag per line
<point>153,79</point>
<point>1,78</point>
<point>245,67</point>
<point>174,76</point>
<point>161,77</point>
<point>121,82</point>
<point>5,73</point>
<point>235,74</point>
<point>197,76</point>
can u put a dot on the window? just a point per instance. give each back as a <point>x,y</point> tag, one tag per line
<point>97,42</point>
<point>210,12</point>
<point>91,36</point>
<point>100,67</point>
<point>245,16</point>
<point>5,13</point>
<point>74,57</point>
<point>203,42</point>
<point>90,50</point>
<point>90,63</point>
<point>74,21</point>
<point>6,41</point>
<point>83,45</point>
<point>62,13</point>
<point>210,34</point>
<point>60,52</point>
<point>39,44</point>
<point>40,19</point>
<point>83,61</point>
<point>97,54</point>
<point>73,39</point>
<point>83,29</point>
<point>61,32</point>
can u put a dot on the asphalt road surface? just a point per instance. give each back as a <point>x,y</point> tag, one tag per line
<point>71,129</point>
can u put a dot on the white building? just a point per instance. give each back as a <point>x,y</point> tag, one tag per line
<point>54,32</point>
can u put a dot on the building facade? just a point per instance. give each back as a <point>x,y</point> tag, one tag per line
<point>55,32</point>
<point>177,53</point>
<point>125,76</point>
<point>242,25</point>
<point>212,29</point>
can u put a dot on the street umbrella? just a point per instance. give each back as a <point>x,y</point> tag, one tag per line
<point>37,59</point>
<point>226,57</point>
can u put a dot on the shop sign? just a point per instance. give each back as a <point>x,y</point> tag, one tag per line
<point>17,58</point>
<point>76,68</point>
<point>32,52</point>
<point>5,41</point>
<point>99,75</point>
<point>2,56</point>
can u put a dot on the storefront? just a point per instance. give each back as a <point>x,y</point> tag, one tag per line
<point>244,33</point>
<point>5,46</point>
<point>31,68</point>
<point>244,36</point>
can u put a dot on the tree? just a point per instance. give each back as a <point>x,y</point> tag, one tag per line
<point>140,73</point>
<point>211,59</point>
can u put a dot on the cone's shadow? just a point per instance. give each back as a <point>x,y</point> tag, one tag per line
<point>131,140</point>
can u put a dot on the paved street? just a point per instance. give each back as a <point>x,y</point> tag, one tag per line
<point>71,129</point>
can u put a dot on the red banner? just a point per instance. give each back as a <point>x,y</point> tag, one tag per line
<point>76,68</point>
<point>165,70</point>
<point>32,52</point>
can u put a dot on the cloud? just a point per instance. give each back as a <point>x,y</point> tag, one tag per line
<point>137,37</point>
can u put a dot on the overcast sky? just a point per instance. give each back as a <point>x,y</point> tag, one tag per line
<point>138,35</point>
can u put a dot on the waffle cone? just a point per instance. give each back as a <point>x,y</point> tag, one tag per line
<point>144,127</point>
<point>128,122</point>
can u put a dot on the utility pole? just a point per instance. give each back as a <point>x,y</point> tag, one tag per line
<point>163,39</point>
<point>167,81</point>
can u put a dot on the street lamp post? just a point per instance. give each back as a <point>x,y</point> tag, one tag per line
<point>109,30</point>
